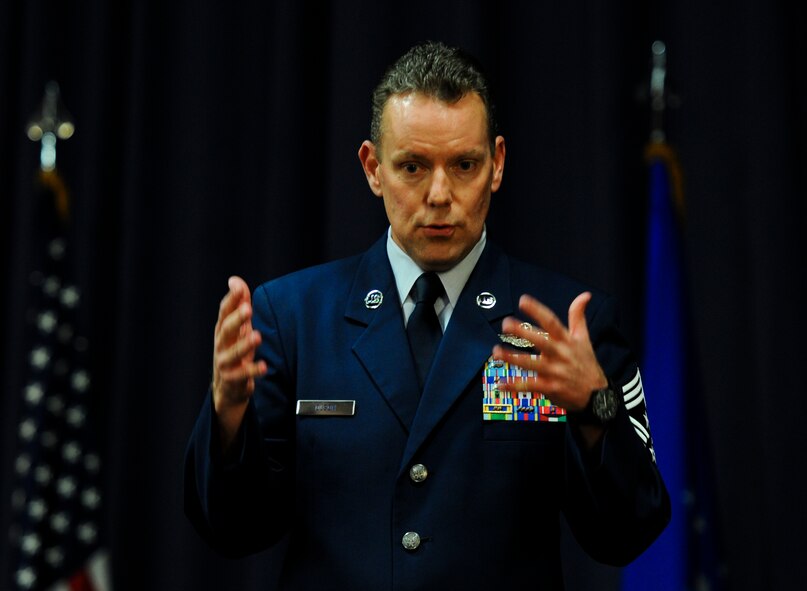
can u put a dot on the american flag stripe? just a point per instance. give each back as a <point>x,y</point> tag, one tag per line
<point>94,576</point>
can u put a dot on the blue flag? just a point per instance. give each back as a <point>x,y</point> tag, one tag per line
<point>665,566</point>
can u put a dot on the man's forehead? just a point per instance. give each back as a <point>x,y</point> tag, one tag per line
<point>404,112</point>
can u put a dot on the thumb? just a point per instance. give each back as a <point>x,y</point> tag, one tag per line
<point>578,327</point>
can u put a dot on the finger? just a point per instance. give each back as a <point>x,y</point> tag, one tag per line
<point>536,363</point>
<point>243,349</point>
<point>525,360</point>
<point>538,337</point>
<point>544,383</point>
<point>232,326</point>
<point>237,363</point>
<point>543,315</point>
<point>238,292</point>
<point>527,384</point>
<point>238,286</point>
<point>541,364</point>
<point>578,326</point>
<point>244,372</point>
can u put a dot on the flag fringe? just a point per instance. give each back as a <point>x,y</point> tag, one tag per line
<point>51,179</point>
<point>661,151</point>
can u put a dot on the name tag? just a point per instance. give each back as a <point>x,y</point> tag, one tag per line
<point>326,408</point>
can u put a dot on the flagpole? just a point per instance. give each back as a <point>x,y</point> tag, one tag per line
<point>658,97</point>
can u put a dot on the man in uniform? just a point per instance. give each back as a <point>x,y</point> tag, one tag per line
<point>388,414</point>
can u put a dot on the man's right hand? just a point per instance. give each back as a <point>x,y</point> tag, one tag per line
<point>234,365</point>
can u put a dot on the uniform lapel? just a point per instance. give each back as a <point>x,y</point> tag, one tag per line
<point>382,348</point>
<point>466,345</point>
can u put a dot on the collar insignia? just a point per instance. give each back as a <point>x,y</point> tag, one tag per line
<point>373,299</point>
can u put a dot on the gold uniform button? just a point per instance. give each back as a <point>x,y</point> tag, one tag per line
<point>418,473</point>
<point>411,540</point>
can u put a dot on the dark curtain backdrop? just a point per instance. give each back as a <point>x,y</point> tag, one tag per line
<point>216,138</point>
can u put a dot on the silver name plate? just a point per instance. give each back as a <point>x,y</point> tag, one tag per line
<point>326,408</point>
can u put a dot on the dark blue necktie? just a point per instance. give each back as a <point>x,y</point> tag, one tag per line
<point>423,328</point>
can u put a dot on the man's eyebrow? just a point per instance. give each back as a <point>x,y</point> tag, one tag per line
<point>473,153</point>
<point>406,155</point>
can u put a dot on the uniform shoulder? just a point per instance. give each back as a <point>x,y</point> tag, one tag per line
<point>536,276</point>
<point>316,275</point>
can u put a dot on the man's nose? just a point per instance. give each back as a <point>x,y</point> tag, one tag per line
<point>439,189</point>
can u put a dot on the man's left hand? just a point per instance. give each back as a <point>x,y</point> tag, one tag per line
<point>568,371</point>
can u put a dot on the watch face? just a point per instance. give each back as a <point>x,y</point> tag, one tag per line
<point>604,404</point>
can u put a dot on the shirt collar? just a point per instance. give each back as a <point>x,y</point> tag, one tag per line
<point>407,271</point>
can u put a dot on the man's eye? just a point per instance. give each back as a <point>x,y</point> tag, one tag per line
<point>411,167</point>
<point>467,165</point>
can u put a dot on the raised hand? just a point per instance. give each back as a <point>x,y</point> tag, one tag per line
<point>568,371</point>
<point>234,365</point>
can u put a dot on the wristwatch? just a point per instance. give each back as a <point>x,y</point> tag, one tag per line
<point>601,408</point>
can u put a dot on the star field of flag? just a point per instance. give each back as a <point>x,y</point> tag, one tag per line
<point>56,497</point>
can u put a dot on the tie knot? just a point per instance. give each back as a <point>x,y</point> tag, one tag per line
<point>428,288</point>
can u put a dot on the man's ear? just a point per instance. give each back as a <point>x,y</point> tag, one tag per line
<point>371,165</point>
<point>498,164</point>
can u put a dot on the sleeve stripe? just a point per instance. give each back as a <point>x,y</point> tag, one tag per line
<point>637,379</point>
<point>640,430</point>
<point>635,391</point>
<point>635,404</point>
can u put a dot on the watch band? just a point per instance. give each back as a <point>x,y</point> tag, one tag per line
<point>602,407</point>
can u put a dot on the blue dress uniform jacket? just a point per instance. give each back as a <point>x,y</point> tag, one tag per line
<point>487,513</point>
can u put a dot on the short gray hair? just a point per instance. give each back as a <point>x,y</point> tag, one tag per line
<point>438,71</point>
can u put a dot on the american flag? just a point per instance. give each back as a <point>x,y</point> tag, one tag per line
<point>56,498</point>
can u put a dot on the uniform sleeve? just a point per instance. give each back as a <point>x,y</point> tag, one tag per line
<point>616,501</point>
<point>240,503</point>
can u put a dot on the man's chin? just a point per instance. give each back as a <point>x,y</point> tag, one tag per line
<point>439,261</point>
